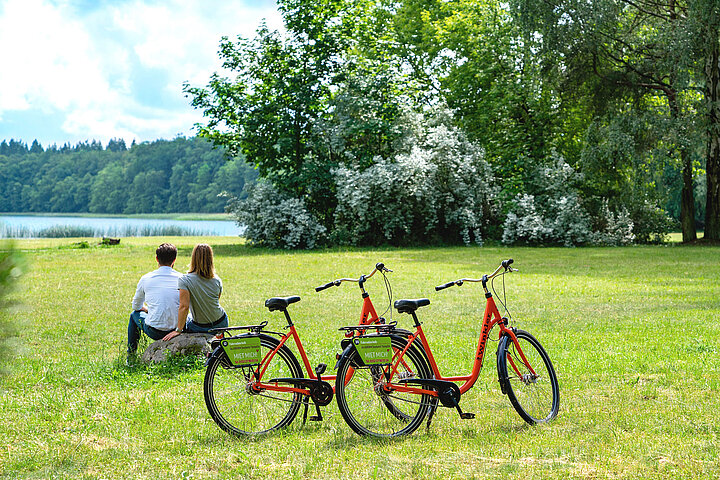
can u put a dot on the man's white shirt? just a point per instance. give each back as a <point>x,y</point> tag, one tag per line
<point>159,291</point>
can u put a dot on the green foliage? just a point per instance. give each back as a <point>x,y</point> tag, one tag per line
<point>266,111</point>
<point>182,175</point>
<point>10,271</point>
<point>611,87</point>
<point>307,100</point>
<point>635,68</point>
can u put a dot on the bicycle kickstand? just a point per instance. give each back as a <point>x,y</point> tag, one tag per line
<point>430,416</point>
<point>306,403</point>
<point>318,417</point>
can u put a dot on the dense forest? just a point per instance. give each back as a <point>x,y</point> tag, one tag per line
<point>181,175</point>
<point>412,121</point>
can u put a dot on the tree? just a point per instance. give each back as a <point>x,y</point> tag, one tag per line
<point>638,57</point>
<point>116,145</point>
<point>280,90</point>
<point>705,15</point>
<point>36,147</point>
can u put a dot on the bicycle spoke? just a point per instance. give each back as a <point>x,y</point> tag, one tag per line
<point>406,400</point>
<point>368,409</point>
<point>533,391</point>
<point>237,408</point>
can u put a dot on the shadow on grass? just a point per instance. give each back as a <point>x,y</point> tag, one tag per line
<point>237,250</point>
<point>126,368</point>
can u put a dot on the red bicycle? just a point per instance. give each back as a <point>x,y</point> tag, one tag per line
<point>254,384</point>
<point>384,367</point>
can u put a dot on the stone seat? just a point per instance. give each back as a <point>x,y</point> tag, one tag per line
<point>183,344</point>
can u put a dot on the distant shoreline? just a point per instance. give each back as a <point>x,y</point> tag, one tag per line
<point>159,216</point>
<point>85,225</point>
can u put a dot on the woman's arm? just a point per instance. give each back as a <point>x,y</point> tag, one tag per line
<point>182,314</point>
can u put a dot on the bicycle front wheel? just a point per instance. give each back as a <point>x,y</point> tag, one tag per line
<point>367,408</point>
<point>531,386</point>
<point>235,402</point>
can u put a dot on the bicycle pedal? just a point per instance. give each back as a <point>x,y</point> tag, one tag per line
<point>467,416</point>
<point>315,418</point>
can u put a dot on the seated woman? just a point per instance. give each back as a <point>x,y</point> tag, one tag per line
<point>200,291</point>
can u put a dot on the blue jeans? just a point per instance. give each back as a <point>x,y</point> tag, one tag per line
<point>192,327</point>
<point>137,325</point>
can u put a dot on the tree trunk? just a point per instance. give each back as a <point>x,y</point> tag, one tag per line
<point>712,166</point>
<point>687,198</point>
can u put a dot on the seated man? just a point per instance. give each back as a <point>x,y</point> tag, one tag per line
<point>156,301</point>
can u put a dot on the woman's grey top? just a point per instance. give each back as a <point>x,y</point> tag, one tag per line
<point>204,297</point>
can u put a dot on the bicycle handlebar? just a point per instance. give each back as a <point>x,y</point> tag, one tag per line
<point>505,264</point>
<point>448,285</point>
<point>336,283</point>
<point>327,285</point>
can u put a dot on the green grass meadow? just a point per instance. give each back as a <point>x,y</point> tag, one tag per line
<point>634,334</point>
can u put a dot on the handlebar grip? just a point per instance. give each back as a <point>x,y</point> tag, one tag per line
<point>323,287</point>
<point>507,263</point>
<point>444,286</point>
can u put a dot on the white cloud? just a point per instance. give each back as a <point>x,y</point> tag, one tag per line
<point>47,59</point>
<point>87,64</point>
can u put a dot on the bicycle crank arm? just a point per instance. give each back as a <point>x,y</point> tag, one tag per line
<point>321,391</point>
<point>448,392</point>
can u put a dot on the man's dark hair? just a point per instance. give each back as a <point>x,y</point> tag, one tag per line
<point>166,254</point>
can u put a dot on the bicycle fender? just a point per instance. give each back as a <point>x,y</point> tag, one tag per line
<point>502,346</point>
<point>217,351</point>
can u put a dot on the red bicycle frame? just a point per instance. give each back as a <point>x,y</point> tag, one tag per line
<point>368,316</point>
<point>491,317</point>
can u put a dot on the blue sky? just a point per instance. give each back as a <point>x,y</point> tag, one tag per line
<point>76,70</point>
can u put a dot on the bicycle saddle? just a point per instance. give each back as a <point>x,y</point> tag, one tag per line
<point>409,306</point>
<point>280,303</point>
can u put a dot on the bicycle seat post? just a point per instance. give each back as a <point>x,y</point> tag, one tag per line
<point>287,317</point>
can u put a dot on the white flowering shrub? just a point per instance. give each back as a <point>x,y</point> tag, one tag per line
<point>438,190</point>
<point>555,215</point>
<point>616,228</point>
<point>388,202</point>
<point>560,221</point>
<point>275,220</point>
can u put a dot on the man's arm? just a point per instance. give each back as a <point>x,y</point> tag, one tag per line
<point>139,298</point>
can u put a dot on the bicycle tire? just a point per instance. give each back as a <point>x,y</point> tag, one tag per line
<point>368,412</point>
<point>237,408</point>
<point>536,398</point>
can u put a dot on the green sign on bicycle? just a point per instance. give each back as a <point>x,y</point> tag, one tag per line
<point>374,350</point>
<point>243,351</point>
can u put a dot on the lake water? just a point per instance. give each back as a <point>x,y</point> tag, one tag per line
<point>30,226</point>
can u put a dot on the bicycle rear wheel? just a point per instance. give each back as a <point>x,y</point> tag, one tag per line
<point>367,408</point>
<point>240,409</point>
<point>535,396</point>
